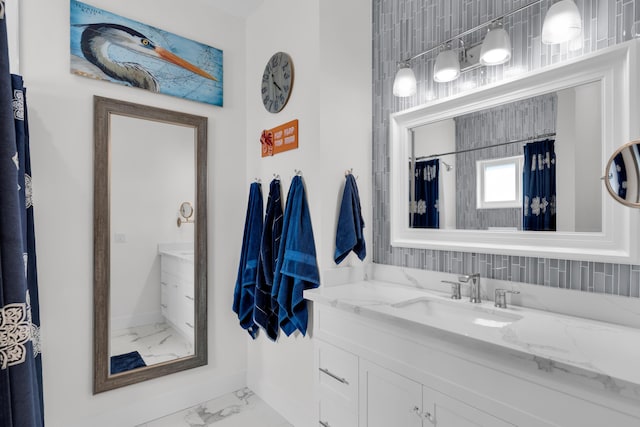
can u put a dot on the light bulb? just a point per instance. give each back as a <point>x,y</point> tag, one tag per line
<point>496,47</point>
<point>405,82</point>
<point>562,23</point>
<point>447,67</point>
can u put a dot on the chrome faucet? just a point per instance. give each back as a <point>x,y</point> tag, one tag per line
<point>501,297</point>
<point>474,294</point>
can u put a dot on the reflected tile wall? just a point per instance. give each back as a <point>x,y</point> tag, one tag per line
<point>402,28</point>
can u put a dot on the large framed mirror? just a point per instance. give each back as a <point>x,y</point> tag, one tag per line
<point>150,254</point>
<point>461,170</point>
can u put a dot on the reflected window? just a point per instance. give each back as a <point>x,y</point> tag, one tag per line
<point>499,183</point>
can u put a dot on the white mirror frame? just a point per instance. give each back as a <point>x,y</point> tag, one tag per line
<point>617,70</point>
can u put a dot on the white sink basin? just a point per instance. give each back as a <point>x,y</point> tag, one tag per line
<point>457,312</point>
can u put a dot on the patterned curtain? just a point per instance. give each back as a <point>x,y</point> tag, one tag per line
<point>20,362</point>
<point>539,186</point>
<point>620,178</point>
<point>424,210</point>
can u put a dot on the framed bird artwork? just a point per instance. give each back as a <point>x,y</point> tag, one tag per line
<point>106,46</point>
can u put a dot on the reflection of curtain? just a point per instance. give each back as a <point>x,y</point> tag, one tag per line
<point>621,176</point>
<point>20,361</point>
<point>539,186</point>
<point>424,209</point>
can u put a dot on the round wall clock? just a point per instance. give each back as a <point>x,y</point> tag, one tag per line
<point>277,82</point>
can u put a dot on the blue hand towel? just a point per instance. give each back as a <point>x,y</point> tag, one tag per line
<point>349,236</point>
<point>297,267</point>
<point>265,312</point>
<point>243,295</point>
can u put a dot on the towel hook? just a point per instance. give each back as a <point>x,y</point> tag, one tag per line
<point>349,172</point>
<point>257,180</point>
<point>276,176</point>
<point>298,172</point>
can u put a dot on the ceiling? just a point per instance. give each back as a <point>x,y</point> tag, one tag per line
<point>241,8</point>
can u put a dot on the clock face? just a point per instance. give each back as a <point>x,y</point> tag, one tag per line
<point>277,82</point>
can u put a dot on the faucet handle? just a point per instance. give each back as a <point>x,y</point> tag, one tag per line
<point>501,297</point>
<point>455,288</point>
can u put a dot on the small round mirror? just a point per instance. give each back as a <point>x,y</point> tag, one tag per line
<point>186,210</point>
<point>623,174</point>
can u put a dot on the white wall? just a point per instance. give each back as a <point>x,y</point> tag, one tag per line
<point>152,173</point>
<point>589,160</point>
<point>330,45</point>
<point>565,147</point>
<point>61,128</point>
<point>578,156</point>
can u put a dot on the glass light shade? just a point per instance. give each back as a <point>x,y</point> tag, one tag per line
<point>496,47</point>
<point>562,23</point>
<point>447,67</point>
<point>405,82</point>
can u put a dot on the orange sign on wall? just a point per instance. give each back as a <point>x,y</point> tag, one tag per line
<point>279,139</point>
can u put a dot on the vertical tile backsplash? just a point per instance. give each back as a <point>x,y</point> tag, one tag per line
<point>402,28</point>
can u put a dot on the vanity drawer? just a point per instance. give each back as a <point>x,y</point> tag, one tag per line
<point>333,413</point>
<point>338,373</point>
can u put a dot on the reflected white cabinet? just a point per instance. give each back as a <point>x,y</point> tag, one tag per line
<point>177,293</point>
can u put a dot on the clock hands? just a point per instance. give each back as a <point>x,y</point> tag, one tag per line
<point>274,83</point>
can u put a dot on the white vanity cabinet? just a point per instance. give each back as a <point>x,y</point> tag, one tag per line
<point>390,399</point>
<point>409,375</point>
<point>177,293</point>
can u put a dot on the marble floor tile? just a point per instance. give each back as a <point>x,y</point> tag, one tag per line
<point>156,343</point>
<point>241,408</point>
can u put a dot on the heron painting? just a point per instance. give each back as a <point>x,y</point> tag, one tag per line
<point>105,46</point>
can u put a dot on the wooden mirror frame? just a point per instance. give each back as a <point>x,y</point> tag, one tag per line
<point>103,109</point>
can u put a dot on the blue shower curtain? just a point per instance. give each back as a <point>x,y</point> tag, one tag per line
<point>425,209</point>
<point>539,186</point>
<point>20,361</point>
<point>621,176</point>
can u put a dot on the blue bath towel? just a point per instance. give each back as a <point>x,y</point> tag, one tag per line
<point>297,267</point>
<point>349,236</point>
<point>126,362</point>
<point>265,312</point>
<point>244,293</point>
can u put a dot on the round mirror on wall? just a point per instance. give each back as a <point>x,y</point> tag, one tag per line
<point>623,174</point>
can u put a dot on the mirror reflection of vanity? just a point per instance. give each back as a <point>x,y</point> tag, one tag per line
<point>585,106</point>
<point>150,268</point>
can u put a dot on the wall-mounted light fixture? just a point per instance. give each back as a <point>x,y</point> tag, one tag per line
<point>561,23</point>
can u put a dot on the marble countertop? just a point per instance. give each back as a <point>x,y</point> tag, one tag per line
<point>183,251</point>
<point>610,351</point>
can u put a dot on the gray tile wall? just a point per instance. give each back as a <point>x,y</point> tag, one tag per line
<point>518,120</point>
<point>402,28</point>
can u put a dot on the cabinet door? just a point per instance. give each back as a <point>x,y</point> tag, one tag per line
<point>388,399</point>
<point>444,411</point>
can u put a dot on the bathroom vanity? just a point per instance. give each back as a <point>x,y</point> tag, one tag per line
<point>177,290</point>
<point>395,355</point>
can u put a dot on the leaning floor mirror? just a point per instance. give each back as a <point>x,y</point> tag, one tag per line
<point>150,248</point>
